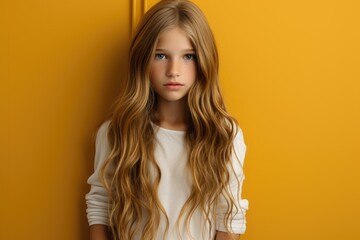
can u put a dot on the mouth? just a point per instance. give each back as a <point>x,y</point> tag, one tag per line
<point>173,84</point>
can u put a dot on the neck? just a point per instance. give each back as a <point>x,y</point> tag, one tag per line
<point>172,115</point>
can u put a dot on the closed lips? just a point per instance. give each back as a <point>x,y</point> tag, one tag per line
<point>173,84</point>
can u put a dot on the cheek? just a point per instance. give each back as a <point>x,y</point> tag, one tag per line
<point>155,72</point>
<point>193,72</point>
<point>152,74</point>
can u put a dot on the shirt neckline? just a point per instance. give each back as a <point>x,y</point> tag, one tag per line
<point>169,130</point>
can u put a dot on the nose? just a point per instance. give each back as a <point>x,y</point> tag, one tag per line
<point>173,68</point>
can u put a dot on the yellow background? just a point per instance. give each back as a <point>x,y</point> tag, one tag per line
<point>290,72</point>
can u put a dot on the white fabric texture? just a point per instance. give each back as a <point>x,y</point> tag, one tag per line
<point>175,186</point>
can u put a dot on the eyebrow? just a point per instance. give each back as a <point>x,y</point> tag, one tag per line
<point>184,50</point>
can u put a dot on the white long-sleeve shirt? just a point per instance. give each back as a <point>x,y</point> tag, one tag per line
<point>175,186</point>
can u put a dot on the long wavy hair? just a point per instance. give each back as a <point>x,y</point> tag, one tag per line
<point>209,136</point>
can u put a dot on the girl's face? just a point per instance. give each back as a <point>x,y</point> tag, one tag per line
<point>173,69</point>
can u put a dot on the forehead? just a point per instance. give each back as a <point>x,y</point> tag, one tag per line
<point>174,39</point>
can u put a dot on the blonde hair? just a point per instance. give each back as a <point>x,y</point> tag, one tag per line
<point>209,137</point>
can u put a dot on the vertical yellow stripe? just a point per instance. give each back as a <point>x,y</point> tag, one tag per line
<point>144,5</point>
<point>138,8</point>
<point>133,15</point>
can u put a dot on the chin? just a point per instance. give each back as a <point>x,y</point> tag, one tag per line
<point>173,99</point>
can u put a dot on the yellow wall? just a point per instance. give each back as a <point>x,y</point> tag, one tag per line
<point>60,76</point>
<point>290,71</point>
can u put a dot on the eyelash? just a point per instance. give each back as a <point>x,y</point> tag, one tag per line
<point>161,56</point>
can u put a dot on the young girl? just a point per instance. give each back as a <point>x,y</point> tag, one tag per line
<point>168,164</point>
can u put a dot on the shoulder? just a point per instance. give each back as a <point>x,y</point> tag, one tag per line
<point>102,147</point>
<point>103,129</point>
<point>239,144</point>
<point>239,136</point>
<point>102,133</point>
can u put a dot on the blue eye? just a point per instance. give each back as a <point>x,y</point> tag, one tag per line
<point>160,56</point>
<point>190,57</point>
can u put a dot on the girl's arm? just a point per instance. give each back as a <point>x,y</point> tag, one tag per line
<point>237,221</point>
<point>226,236</point>
<point>99,232</point>
<point>97,199</point>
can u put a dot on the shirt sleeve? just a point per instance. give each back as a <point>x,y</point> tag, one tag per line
<point>97,199</point>
<point>237,220</point>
